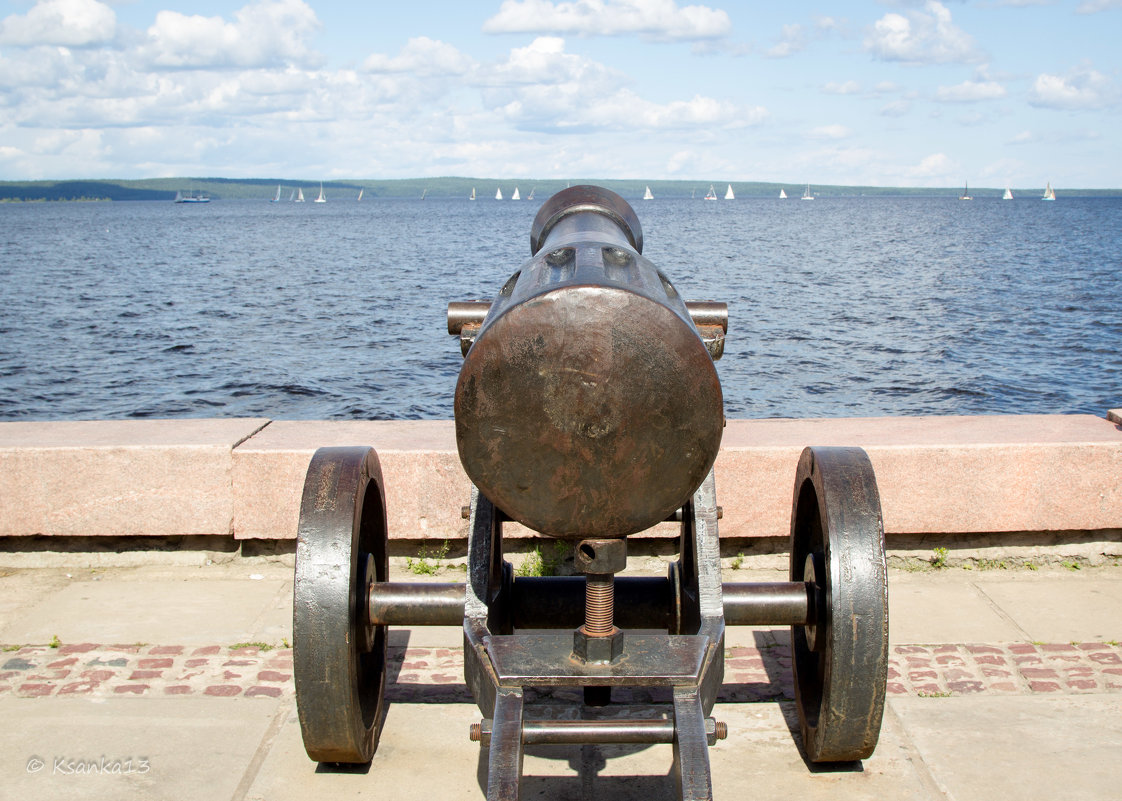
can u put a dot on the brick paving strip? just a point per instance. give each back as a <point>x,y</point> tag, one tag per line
<point>436,674</point>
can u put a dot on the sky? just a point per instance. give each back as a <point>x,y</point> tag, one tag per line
<point>994,92</point>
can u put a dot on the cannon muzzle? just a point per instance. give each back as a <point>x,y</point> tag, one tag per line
<point>588,404</point>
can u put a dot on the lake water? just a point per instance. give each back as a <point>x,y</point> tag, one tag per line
<point>840,307</point>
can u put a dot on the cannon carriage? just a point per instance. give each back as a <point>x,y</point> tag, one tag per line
<point>588,409</point>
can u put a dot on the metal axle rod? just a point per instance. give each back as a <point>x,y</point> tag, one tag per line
<point>601,732</point>
<point>558,602</point>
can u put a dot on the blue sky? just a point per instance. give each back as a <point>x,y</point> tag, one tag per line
<point>996,92</point>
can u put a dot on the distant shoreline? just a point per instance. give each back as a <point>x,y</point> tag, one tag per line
<point>165,189</point>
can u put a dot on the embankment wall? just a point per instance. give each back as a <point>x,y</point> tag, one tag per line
<point>982,477</point>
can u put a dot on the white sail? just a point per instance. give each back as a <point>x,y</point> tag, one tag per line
<point>472,194</point>
<point>1049,192</point>
<point>531,195</point>
<point>966,192</point>
<point>711,194</point>
<point>806,194</point>
<point>647,195</point>
<point>360,191</point>
<point>277,198</point>
<point>728,193</point>
<point>516,196</point>
<point>498,194</point>
<point>782,194</point>
<point>322,198</point>
<point>300,195</point>
<point>1008,194</point>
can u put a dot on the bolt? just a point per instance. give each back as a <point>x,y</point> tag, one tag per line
<point>475,733</point>
<point>599,605</point>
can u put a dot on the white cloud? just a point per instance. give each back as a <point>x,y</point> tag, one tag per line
<point>792,40</point>
<point>897,108</point>
<point>656,19</point>
<point>1082,88</point>
<point>937,165</point>
<point>830,132</point>
<point>921,37</point>
<point>846,88</point>
<point>544,61</point>
<point>69,23</point>
<point>1095,6</point>
<point>970,92</point>
<point>269,33</point>
<point>422,56</point>
<point>543,88</point>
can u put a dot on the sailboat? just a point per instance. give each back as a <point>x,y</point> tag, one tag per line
<point>300,195</point>
<point>321,198</point>
<point>806,194</point>
<point>498,194</point>
<point>292,196</point>
<point>531,195</point>
<point>711,194</point>
<point>277,198</point>
<point>1008,194</point>
<point>966,192</point>
<point>516,196</point>
<point>647,195</point>
<point>782,194</point>
<point>472,194</point>
<point>728,193</point>
<point>424,192</point>
<point>1049,192</point>
<point>360,191</point>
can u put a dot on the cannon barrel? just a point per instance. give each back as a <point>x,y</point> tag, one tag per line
<point>588,404</point>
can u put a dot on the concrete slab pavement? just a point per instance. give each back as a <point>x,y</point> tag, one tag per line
<point>1028,747</point>
<point>161,748</point>
<point>976,708</point>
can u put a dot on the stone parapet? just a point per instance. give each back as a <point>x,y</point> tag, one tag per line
<point>119,478</point>
<point>937,475</point>
<point>424,483</point>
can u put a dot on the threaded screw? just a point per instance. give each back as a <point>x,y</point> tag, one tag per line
<point>475,733</point>
<point>599,605</point>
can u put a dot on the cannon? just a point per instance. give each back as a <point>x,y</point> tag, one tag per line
<point>588,408</point>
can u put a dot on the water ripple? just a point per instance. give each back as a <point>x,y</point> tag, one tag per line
<point>854,307</point>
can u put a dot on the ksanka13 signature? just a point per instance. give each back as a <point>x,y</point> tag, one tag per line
<point>102,766</point>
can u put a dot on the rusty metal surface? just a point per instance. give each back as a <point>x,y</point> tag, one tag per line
<point>611,210</point>
<point>339,660</point>
<point>504,759</point>
<point>711,318</point>
<point>555,602</point>
<point>647,660</point>
<point>781,603</point>
<point>840,664</point>
<point>588,379</point>
<point>691,747</point>
<point>617,731</point>
<point>406,604</point>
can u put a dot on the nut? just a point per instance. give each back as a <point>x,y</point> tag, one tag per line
<point>599,557</point>
<point>597,650</point>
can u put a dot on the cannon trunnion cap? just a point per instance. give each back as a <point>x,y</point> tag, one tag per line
<point>588,405</point>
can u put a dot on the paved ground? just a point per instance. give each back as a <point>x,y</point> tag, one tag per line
<point>177,683</point>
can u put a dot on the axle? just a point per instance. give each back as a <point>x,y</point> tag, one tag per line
<point>558,603</point>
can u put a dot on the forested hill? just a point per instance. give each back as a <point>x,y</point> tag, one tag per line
<point>265,188</point>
